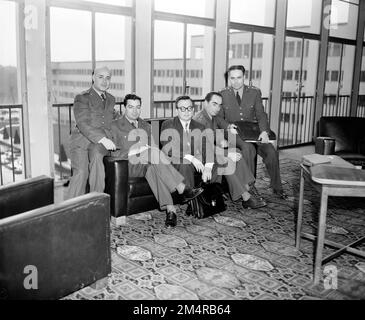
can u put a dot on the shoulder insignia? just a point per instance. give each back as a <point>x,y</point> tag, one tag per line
<point>85,92</point>
<point>253,87</point>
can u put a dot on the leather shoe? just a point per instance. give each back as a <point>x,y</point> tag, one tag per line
<point>253,203</point>
<point>190,194</point>
<point>281,194</point>
<point>170,219</point>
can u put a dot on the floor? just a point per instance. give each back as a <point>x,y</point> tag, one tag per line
<point>238,254</point>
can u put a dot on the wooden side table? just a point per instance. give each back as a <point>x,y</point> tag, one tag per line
<point>344,181</point>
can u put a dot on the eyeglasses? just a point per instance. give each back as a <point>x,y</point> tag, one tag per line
<point>183,109</point>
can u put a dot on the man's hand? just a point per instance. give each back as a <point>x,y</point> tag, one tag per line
<point>264,137</point>
<point>224,143</point>
<point>207,174</point>
<point>232,128</point>
<point>107,143</point>
<point>197,164</point>
<point>234,156</point>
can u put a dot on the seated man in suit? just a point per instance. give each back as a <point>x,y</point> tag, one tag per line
<point>146,160</point>
<point>241,102</point>
<point>182,141</point>
<point>239,181</point>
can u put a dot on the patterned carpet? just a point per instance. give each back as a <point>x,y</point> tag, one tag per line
<point>236,255</point>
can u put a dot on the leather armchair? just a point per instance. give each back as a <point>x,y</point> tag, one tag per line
<point>347,134</point>
<point>60,247</point>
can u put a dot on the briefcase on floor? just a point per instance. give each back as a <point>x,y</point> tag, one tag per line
<point>249,130</point>
<point>209,202</point>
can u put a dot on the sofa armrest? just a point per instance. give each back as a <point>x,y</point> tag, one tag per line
<point>116,185</point>
<point>61,247</point>
<point>325,145</point>
<point>26,195</point>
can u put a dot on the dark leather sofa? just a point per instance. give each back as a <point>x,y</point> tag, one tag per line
<point>132,195</point>
<point>50,250</point>
<point>347,134</point>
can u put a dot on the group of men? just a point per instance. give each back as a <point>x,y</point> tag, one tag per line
<point>205,144</point>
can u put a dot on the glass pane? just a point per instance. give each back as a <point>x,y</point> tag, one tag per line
<point>263,46</point>
<point>299,85</point>
<point>361,101</point>
<point>11,122</point>
<point>343,22</point>
<point>197,8</point>
<point>70,36</point>
<point>70,52</point>
<point>240,50</point>
<point>9,91</point>
<point>199,55</point>
<point>257,12</point>
<point>338,79</point>
<point>304,15</point>
<point>114,54</point>
<point>125,3</point>
<point>168,66</point>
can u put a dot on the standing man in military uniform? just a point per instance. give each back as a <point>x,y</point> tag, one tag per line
<point>241,102</point>
<point>91,138</point>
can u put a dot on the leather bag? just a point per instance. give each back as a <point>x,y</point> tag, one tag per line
<point>209,202</point>
<point>248,130</point>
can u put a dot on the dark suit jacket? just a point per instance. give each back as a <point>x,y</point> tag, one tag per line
<point>216,122</point>
<point>199,147</point>
<point>93,118</point>
<point>251,108</point>
<point>121,129</point>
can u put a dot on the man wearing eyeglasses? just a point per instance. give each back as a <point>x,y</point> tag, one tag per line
<point>133,138</point>
<point>91,138</point>
<point>183,142</point>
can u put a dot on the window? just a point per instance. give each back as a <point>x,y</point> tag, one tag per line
<point>334,76</point>
<point>63,36</point>
<point>304,15</point>
<point>199,8</point>
<point>344,19</point>
<point>124,3</point>
<point>256,12</point>
<point>111,53</point>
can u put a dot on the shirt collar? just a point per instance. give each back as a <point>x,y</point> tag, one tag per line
<point>132,122</point>
<point>240,91</point>
<point>99,92</point>
<point>183,123</point>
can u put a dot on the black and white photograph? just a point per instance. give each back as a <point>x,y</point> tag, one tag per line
<point>182,156</point>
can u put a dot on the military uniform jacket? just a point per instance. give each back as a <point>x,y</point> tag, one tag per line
<point>251,108</point>
<point>121,129</point>
<point>198,146</point>
<point>93,118</point>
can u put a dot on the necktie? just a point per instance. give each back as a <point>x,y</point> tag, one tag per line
<point>238,97</point>
<point>103,96</point>
<point>186,127</point>
<point>134,124</point>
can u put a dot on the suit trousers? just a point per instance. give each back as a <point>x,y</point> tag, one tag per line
<point>238,180</point>
<point>87,164</point>
<point>269,155</point>
<point>162,179</point>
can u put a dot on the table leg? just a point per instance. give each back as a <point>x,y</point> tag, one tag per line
<point>320,235</point>
<point>300,210</point>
